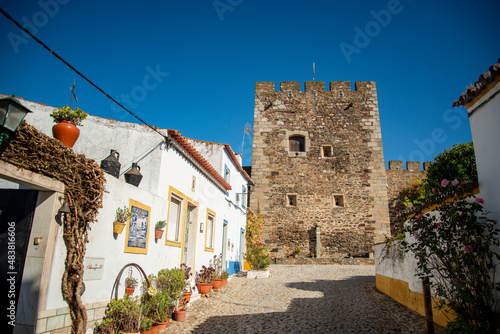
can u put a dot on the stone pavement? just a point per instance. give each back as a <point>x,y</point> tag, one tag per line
<point>301,299</point>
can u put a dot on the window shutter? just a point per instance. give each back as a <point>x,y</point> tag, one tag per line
<point>173,219</point>
<point>296,144</point>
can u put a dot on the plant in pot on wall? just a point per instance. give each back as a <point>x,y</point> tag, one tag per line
<point>122,215</point>
<point>160,225</point>
<point>296,253</point>
<point>204,280</point>
<point>130,284</point>
<point>67,119</point>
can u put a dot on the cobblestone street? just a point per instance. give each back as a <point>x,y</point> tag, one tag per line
<point>301,299</point>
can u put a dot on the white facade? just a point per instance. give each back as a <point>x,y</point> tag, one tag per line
<point>176,174</point>
<point>484,118</point>
<point>228,165</point>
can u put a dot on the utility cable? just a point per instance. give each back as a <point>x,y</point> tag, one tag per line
<point>80,74</point>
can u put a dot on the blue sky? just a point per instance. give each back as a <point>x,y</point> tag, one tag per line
<point>193,65</point>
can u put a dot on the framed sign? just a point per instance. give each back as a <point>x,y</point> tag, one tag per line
<point>136,240</point>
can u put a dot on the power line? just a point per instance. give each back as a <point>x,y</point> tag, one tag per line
<point>80,74</point>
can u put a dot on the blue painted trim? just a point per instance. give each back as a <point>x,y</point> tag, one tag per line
<point>244,191</point>
<point>233,267</point>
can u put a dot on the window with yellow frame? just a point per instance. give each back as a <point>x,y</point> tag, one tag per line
<point>210,231</point>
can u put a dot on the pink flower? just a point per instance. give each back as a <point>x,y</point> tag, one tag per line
<point>427,214</point>
<point>480,200</point>
<point>468,249</point>
<point>434,189</point>
<point>415,186</point>
<point>438,224</point>
<point>415,235</point>
<point>455,182</point>
<point>444,183</point>
<point>419,216</point>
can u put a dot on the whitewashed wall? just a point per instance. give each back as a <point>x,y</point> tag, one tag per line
<point>484,123</point>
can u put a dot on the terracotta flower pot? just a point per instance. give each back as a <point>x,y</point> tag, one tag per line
<point>216,284</point>
<point>118,227</point>
<point>154,329</point>
<point>162,325</point>
<point>129,291</point>
<point>224,281</point>
<point>66,132</point>
<point>158,234</point>
<point>187,296</point>
<point>179,315</point>
<point>146,332</point>
<point>204,288</point>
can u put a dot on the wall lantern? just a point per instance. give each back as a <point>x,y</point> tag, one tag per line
<point>12,114</point>
<point>201,227</point>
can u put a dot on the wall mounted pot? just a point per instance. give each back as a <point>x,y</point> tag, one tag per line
<point>158,234</point>
<point>66,132</point>
<point>134,176</point>
<point>118,227</point>
<point>129,291</point>
<point>111,165</point>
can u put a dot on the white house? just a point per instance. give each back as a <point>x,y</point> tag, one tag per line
<point>483,106</point>
<point>179,185</point>
<point>228,164</point>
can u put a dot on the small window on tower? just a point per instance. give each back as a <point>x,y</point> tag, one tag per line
<point>326,151</point>
<point>266,96</point>
<point>297,144</point>
<point>338,201</point>
<point>291,199</point>
<point>289,93</point>
<point>341,94</point>
<point>315,96</point>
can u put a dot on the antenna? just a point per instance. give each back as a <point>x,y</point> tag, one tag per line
<point>246,131</point>
<point>314,70</point>
<point>72,89</point>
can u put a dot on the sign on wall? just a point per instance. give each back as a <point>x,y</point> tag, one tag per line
<point>136,240</point>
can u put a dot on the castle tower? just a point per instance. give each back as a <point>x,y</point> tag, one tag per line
<point>318,160</point>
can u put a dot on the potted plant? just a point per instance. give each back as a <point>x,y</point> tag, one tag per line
<point>122,215</point>
<point>160,225</point>
<point>121,315</point>
<point>130,284</point>
<point>296,253</point>
<point>224,276</point>
<point>186,294</point>
<point>217,279</point>
<point>146,325</point>
<point>67,119</point>
<point>180,312</point>
<point>204,281</point>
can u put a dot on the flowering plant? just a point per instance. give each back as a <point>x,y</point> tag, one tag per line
<point>206,274</point>
<point>256,254</point>
<point>454,247</point>
<point>66,114</point>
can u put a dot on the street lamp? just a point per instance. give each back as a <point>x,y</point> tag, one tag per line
<point>12,114</point>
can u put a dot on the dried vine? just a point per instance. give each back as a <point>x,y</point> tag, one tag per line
<point>84,186</point>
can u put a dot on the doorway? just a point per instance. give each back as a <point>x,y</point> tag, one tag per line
<point>224,244</point>
<point>188,255</point>
<point>17,209</point>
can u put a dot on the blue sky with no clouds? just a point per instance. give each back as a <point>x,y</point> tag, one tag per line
<point>193,65</point>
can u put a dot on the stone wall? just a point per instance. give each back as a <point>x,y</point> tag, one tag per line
<point>338,180</point>
<point>399,179</point>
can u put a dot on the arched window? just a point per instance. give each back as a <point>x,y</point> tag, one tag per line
<point>296,144</point>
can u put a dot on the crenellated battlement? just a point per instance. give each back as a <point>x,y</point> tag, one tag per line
<point>410,165</point>
<point>337,88</point>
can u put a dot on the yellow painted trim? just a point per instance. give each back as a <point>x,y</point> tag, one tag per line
<point>400,291</point>
<point>183,233</point>
<point>182,216</point>
<point>137,250</point>
<point>212,213</point>
<point>475,191</point>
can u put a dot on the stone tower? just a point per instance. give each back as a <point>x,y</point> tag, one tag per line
<point>318,160</point>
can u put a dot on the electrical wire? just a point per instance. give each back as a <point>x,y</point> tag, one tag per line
<point>80,74</point>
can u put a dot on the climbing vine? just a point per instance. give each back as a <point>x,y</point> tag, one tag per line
<point>84,186</point>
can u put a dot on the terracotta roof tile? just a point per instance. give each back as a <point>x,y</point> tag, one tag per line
<point>177,136</point>
<point>476,89</point>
